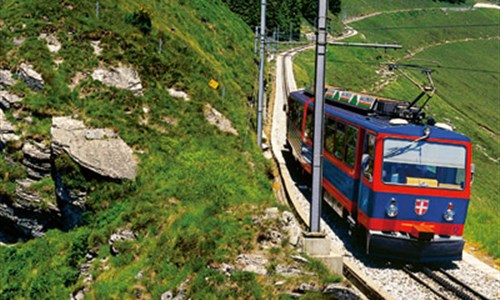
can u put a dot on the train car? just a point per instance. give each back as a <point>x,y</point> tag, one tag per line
<point>403,180</point>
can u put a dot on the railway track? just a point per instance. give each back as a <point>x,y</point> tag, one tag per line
<point>443,284</point>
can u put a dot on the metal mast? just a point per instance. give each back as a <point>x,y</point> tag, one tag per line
<point>261,71</point>
<point>319,114</point>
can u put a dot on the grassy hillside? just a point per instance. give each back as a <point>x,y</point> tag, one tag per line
<point>197,190</point>
<point>354,8</point>
<point>467,94</point>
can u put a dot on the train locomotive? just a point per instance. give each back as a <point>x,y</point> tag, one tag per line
<point>401,179</point>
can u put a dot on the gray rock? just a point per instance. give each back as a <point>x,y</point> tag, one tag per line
<point>167,295</point>
<point>97,47</point>
<point>291,226</point>
<point>32,78</point>
<point>300,259</point>
<point>120,236</point>
<point>271,213</point>
<point>253,263</point>
<point>7,100</point>
<point>79,295</point>
<point>18,41</point>
<point>287,271</point>
<point>6,131</point>
<point>98,150</point>
<point>178,94</point>
<point>139,275</point>
<point>37,160</point>
<point>120,77</point>
<point>306,287</point>
<point>28,221</point>
<point>217,119</point>
<point>337,291</point>
<point>52,42</point>
<point>6,79</point>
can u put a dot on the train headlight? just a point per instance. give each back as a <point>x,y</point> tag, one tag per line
<point>449,214</point>
<point>392,211</point>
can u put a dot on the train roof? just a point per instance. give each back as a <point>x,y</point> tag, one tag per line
<point>380,124</point>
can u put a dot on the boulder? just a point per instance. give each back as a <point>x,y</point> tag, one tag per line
<point>178,94</point>
<point>6,79</point>
<point>7,100</point>
<point>215,118</point>
<point>32,78</point>
<point>52,42</point>
<point>336,291</point>
<point>98,150</point>
<point>120,77</point>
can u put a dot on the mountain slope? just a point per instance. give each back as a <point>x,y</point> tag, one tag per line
<point>199,192</point>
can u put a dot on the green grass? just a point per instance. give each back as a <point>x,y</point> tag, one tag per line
<point>466,77</point>
<point>196,187</point>
<point>363,7</point>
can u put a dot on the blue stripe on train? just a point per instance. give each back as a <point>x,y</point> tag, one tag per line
<point>340,180</point>
<point>374,205</point>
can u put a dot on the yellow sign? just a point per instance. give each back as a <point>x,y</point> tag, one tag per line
<point>213,84</point>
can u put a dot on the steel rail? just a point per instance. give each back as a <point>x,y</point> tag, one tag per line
<point>421,281</point>
<point>464,285</point>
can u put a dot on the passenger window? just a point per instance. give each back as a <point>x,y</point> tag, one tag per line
<point>329,134</point>
<point>296,114</point>
<point>309,133</point>
<point>350,149</point>
<point>370,150</point>
<point>338,147</point>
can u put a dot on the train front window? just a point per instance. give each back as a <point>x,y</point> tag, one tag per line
<point>423,164</point>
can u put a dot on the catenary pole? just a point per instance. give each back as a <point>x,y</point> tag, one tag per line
<point>261,71</point>
<point>319,114</point>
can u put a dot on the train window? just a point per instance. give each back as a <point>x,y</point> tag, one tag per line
<point>309,124</point>
<point>350,148</point>
<point>329,134</point>
<point>370,150</point>
<point>424,164</point>
<point>338,147</point>
<point>295,114</point>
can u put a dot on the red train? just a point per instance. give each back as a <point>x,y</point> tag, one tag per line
<point>401,179</point>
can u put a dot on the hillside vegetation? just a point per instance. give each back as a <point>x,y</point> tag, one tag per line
<point>463,48</point>
<point>198,191</point>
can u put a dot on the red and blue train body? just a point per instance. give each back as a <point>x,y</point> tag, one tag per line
<point>405,185</point>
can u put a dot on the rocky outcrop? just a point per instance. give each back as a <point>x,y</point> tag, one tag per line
<point>7,100</point>
<point>6,131</point>
<point>215,118</point>
<point>37,160</point>
<point>98,150</point>
<point>6,79</point>
<point>28,215</point>
<point>120,77</point>
<point>52,42</point>
<point>32,78</point>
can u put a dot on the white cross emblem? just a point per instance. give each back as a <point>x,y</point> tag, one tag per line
<point>421,206</point>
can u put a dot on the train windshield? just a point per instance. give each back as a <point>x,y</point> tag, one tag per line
<point>425,164</point>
